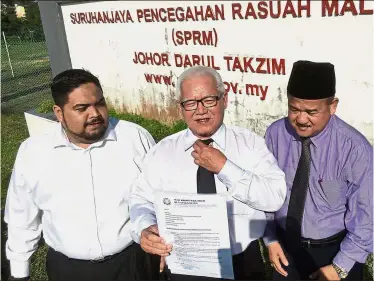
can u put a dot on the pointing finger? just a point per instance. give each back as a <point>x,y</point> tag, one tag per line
<point>197,147</point>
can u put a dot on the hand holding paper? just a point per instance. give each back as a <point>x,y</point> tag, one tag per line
<point>152,243</point>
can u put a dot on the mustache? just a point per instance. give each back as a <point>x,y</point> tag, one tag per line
<point>303,125</point>
<point>97,120</point>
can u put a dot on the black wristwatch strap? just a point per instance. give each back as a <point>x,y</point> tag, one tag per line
<point>11,278</point>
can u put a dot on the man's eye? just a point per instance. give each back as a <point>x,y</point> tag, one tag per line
<point>210,101</point>
<point>80,109</point>
<point>190,103</point>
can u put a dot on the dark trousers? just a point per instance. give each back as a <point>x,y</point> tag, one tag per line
<point>130,264</point>
<point>247,265</point>
<point>305,261</point>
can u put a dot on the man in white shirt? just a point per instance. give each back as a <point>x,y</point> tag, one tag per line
<point>73,186</point>
<point>237,163</point>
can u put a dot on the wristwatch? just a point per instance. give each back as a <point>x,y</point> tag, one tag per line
<point>340,271</point>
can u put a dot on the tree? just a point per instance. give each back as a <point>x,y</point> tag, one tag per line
<point>33,15</point>
<point>29,27</point>
<point>9,21</point>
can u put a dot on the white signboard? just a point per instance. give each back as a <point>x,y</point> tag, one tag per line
<point>138,49</point>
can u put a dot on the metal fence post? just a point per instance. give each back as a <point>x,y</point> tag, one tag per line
<point>7,51</point>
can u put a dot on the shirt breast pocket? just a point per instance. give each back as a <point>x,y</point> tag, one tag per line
<point>334,192</point>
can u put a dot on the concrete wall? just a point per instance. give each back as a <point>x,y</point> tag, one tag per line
<point>54,30</point>
<point>253,44</point>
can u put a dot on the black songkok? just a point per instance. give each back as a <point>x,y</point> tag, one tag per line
<point>311,80</point>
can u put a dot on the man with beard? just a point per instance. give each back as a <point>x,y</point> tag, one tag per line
<point>73,186</point>
<point>210,157</point>
<point>324,230</point>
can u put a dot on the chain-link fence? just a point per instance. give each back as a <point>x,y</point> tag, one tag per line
<point>25,85</point>
<point>25,71</point>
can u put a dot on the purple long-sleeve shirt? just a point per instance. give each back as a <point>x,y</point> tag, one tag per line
<point>340,194</point>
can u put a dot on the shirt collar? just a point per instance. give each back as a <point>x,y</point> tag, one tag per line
<point>317,140</point>
<point>219,138</point>
<point>61,139</point>
<point>320,139</point>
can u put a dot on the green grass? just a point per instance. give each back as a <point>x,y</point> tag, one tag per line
<point>369,268</point>
<point>13,132</point>
<point>31,68</point>
<point>155,128</point>
<point>25,103</point>
<point>24,54</point>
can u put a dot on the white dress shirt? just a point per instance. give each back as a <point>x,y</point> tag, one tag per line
<point>77,197</point>
<point>250,177</point>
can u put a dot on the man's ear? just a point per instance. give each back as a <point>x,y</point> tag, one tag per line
<point>225,99</point>
<point>334,105</point>
<point>58,112</point>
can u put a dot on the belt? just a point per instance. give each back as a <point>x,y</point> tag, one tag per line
<point>103,259</point>
<point>313,243</point>
<point>106,258</point>
<point>96,260</point>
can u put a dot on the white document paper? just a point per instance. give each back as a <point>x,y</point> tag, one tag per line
<point>197,227</point>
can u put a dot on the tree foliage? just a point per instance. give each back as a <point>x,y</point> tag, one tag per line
<point>30,26</point>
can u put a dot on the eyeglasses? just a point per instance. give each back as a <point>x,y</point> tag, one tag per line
<point>209,101</point>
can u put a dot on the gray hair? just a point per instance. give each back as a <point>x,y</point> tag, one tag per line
<point>200,71</point>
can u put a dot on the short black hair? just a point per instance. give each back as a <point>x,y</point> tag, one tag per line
<point>67,81</point>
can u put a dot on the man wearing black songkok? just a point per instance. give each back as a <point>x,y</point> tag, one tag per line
<point>324,230</point>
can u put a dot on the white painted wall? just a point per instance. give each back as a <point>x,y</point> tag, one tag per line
<point>107,50</point>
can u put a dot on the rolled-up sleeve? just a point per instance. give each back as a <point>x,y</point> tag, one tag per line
<point>270,235</point>
<point>358,242</point>
<point>23,218</point>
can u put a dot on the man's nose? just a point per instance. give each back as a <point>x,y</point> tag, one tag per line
<point>94,112</point>
<point>201,109</point>
<point>302,118</point>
